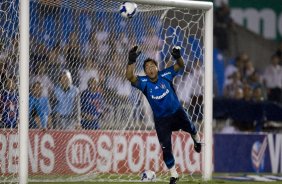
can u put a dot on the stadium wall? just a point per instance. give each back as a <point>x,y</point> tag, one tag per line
<point>258,48</point>
<point>248,153</point>
<point>81,152</point>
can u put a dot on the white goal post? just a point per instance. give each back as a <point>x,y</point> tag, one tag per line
<point>23,90</point>
<point>208,80</point>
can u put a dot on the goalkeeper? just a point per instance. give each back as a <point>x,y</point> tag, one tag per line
<point>168,113</point>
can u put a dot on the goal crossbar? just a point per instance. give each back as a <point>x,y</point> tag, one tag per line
<point>177,3</point>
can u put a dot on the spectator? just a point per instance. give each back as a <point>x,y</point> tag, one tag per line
<point>11,57</point>
<point>273,80</point>
<point>254,80</point>
<point>73,57</point>
<point>91,106</point>
<point>66,101</point>
<point>39,107</point>
<point>244,65</point>
<point>56,63</point>
<point>38,56</point>
<point>123,89</point>
<point>3,74</point>
<point>249,68</point>
<point>197,80</point>
<point>223,22</point>
<point>88,71</point>
<point>117,86</point>
<point>230,69</point>
<point>101,42</point>
<point>241,64</point>
<point>239,93</point>
<point>258,95</point>
<point>279,52</point>
<point>235,83</point>
<point>230,128</point>
<point>9,104</point>
<point>122,43</point>
<point>91,46</point>
<point>98,45</point>
<point>44,80</point>
<point>248,92</point>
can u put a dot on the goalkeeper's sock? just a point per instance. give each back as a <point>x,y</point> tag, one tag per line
<point>197,142</point>
<point>173,172</point>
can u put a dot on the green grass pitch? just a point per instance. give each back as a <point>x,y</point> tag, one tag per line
<point>123,179</point>
<point>190,182</point>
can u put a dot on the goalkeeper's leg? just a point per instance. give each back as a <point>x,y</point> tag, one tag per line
<point>164,132</point>
<point>186,125</point>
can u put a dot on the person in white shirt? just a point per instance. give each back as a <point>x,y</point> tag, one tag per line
<point>88,71</point>
<point>273,80</point>
<point>44,80</point>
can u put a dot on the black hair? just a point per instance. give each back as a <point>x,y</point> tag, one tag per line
<point>90,81</point>
<point>36,83</point>
<point>147,60</point>
<point>274,56</point>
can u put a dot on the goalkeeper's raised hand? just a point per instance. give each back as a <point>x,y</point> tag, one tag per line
<point>176,52</point>
<point>179,61</point>
<point>133,55</point>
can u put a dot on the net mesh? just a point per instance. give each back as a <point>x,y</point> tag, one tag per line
<point>87,123</point>
<point>9,100</point>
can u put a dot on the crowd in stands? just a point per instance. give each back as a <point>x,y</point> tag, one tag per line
<point>239,78</point>
<point>70,85</point>
<point>242,78</point>
<point>76,75</point>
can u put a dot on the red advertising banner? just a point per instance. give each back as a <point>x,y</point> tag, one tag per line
<point>80,152</point>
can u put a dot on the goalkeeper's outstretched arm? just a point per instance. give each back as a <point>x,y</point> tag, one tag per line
<point>133,54</point>
<point>130,73</point>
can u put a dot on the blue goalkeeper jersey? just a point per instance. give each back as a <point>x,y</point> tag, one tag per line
<point>160,94</point>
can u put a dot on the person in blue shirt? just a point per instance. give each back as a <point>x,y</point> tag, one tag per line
<point>169,115</point>
<point>66,99</point>
<point>91,106</point>
<point>39,107</point>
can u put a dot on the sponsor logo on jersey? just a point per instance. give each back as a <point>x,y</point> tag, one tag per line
<point>161,96</point>
<point>167,73</point>
<point>163,86</point>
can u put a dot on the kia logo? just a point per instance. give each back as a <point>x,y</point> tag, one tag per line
<point>80,153</point>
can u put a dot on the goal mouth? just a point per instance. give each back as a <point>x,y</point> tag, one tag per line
<point>86,121</point>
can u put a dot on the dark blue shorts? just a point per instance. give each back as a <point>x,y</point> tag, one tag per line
<point>177,121</point>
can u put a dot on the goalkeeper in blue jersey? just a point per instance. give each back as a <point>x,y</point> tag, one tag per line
<point>169,115</point>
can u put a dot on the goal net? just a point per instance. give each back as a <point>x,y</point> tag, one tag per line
<point>9,99</point>
<point>86,122</point>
